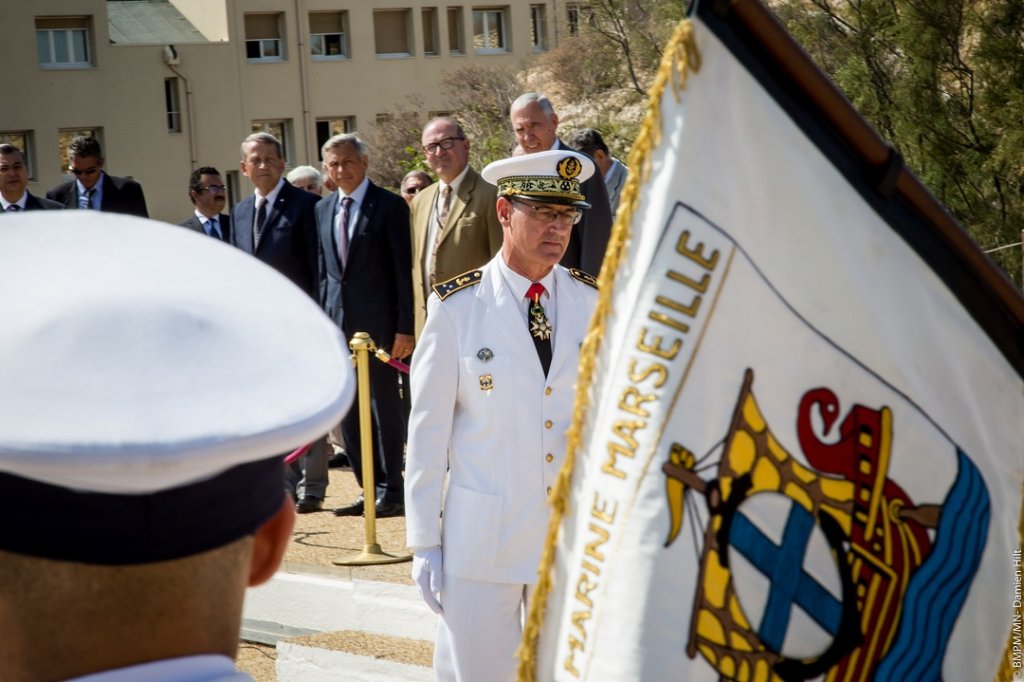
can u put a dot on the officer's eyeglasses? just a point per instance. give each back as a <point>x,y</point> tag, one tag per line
<point>216,189</point>
<point>546,214</point>
<point>445,144</point>
<point>88,171</point>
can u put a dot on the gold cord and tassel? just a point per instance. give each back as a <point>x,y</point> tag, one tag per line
<point>681,57</point>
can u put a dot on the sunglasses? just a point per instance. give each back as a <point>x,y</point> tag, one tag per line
<point>88,171</point>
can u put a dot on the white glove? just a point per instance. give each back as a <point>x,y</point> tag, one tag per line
<point>427,573</point>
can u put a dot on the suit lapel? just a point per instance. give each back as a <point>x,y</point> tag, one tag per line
<point>507,319</point>
<point>422,231</point>
<point>242,223</point>
<point>327,214</point>
<point>458,206</point>
<point>362,226</point>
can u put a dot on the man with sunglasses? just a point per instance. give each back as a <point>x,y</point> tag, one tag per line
<point>454,226</point>
<point>492,390</point>
<point>209,196</point>
<point>414,181</point>
<point>92,188</point>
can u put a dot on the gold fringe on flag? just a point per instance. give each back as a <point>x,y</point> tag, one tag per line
<point>1006,669</point>
<point>680,58</point>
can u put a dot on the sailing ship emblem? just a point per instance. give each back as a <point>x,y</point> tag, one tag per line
<point>809,571</point>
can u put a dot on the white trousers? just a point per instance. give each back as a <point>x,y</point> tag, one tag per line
<point>478,634</point>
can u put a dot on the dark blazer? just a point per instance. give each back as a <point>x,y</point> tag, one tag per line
<point>589,238</point>
<point>374,293</point>
<point>223,219</point>
<point>120,195</point>
<point>34,203</point>
<point>288,242</point>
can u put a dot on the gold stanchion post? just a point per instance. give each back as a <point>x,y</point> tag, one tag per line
<point>361,345</point>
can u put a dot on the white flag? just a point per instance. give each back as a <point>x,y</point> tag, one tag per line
<point>801,455</point>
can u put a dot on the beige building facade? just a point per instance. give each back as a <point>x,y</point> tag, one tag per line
<point>174,85</point>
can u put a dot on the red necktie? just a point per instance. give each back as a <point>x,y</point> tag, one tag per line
<point>540,327</point>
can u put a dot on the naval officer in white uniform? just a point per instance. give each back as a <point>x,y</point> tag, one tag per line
<point>146,391</point>
<point>492,398</point>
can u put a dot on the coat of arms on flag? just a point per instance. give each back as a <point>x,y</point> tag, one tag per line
<point>801,421</point>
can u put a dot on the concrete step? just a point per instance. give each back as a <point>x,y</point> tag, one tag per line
<point>355,656</point>
<point>294,604</point>
<point>330,628</point>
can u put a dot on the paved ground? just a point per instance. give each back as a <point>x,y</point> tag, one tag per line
<point>321,537</point>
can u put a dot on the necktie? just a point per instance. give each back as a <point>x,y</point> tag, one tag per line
<point>14,208</point>
<point>540,327</point>
<point>446,204</point>
<point>442,218</point>
<point>212,228</point>
<point>88,197</point>
<point>346,203</point>
<point>261,217</point>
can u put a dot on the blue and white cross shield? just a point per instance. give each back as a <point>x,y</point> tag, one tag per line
<point>785,575</point>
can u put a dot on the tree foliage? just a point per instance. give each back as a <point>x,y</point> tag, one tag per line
<point>943,81</point>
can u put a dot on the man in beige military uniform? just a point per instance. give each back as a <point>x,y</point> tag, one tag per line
<point>492,390</point>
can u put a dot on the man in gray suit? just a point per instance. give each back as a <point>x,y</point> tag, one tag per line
<point>13,183</point>
<point>536,127</point>
<point>208,194</point>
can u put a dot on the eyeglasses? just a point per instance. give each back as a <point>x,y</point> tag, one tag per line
<point>413,190</point>
<point>546,214</point>
<point>216,189</point>
<point>445,144</point>
<point>88,171</point>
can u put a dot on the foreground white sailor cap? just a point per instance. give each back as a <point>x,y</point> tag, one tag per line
<point>552,177</point>
<point>150,380</point>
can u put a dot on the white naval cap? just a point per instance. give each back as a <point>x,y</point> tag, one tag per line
<point>150,380</point>
<point>551,177</point>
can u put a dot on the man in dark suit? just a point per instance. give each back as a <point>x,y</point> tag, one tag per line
<point>536,127</point>
<point>13,183</point>
<point>92,188</point>
<point>277,224</point>
<point>366,286</point>
<point>207,192</point>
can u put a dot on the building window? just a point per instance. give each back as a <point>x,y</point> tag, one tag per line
<point>173,103</point>
<point>328,35</point>
<point>326,128</point>
<point>64,137</point>
<point>430,31</point>
<point>538,28</point>
<point>575,16</point>
<point>456,43</point>
<point>278,129</point>
<point>263,38</point>
<point>391,32</point>
<point>23,141</point>
<point>489,31</point>
<point>63,43</point>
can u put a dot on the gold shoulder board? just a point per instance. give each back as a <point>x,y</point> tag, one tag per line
<point>584,277</point>
<point>466,279</point>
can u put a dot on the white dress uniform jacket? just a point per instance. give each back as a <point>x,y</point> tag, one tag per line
<point>483,408</point>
